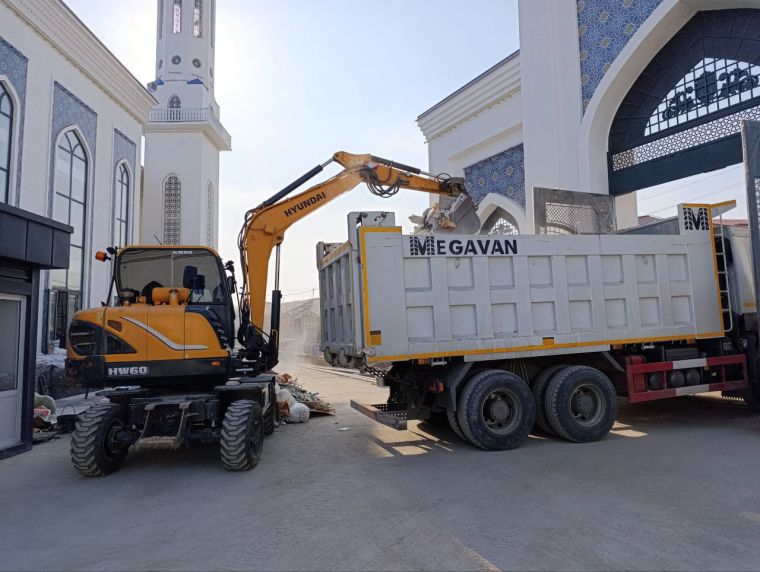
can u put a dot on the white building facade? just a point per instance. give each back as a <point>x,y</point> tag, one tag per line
<point>604,97</point>
<point>184,135</point>
<point>71,119</point>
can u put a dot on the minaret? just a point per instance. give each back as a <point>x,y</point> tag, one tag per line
<point>183,136</point>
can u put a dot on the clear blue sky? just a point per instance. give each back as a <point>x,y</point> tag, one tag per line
<point>300,79</point>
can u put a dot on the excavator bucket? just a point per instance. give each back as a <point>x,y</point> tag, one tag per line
<point>460,217</point>
<point>463,213</point>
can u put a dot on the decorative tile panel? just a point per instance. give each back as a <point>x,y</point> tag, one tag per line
<point>604,28</point>
<point>13,65</point>
<point>503,174</point>
<point>124,149</point>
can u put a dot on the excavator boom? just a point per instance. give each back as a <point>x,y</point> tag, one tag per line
<point>264,227</point>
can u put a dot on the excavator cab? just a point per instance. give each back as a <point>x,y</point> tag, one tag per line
<point>171,322</point>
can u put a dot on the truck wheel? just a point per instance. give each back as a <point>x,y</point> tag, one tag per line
<point>451,415</point>
<point>538,388</point>
<point>581,404</point>
<point>242,435</point>
<point>342,359</point>
<point>95,450</point>
<point>329,358</point>
<point>496,410</point>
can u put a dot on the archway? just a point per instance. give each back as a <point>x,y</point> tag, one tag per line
<point>666,31</point>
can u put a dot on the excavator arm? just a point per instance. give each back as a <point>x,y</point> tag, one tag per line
<point>265,226</point>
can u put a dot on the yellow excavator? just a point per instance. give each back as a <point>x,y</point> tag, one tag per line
<point>167,344</point>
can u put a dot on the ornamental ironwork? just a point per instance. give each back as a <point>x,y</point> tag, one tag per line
<point>712,85</point>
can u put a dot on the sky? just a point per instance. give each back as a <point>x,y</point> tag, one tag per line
<point>297,80</point>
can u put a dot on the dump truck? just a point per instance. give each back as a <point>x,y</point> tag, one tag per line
<point>496,333</point>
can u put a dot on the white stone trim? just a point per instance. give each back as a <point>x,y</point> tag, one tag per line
<point>491,88</point>
<point>60,27</point>
<point>493,201</point>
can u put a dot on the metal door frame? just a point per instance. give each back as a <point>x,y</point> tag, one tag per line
<point>20,368</point>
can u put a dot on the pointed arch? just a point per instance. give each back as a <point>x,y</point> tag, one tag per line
<point>7,140</point>
<point>498,213</point>
<point>121,204</point>
<point>172,210</point>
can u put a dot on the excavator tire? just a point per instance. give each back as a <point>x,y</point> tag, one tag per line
<point>242,435</point>
<point>270,419</point>
<point>94,450</point>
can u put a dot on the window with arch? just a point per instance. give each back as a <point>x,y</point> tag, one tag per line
<point>198,19</point>
<point>172,226</point>
<point>70,207</point>
<point>121,205</point>
<point>213,22</point>
<point>174,105</point>
<point>161,9</point>
<point>499,223</point>
<point>6,142</point>
<point>210,217</point>
<point>177,17</point>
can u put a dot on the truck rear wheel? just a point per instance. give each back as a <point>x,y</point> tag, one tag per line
<point>95,449</point>
<point>581,404</point>
<point>496,410</point>
<point>242,435</point>
<point>454,424</point>
<point>538,387</point>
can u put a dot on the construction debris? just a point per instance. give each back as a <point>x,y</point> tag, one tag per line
<point>311,400</point>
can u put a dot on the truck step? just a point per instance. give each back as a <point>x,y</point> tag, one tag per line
<point>393,415</point>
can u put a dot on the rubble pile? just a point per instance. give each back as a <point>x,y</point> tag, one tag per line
<point>296,403</point>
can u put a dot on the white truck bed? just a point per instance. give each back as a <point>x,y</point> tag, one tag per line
<point>396,297</point>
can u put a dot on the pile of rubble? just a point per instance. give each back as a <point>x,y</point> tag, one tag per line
<point>297,404</point>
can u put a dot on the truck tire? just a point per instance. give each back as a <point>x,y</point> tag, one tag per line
<point>538,387</point>
<point>496,410</point>
<point>270,421</point>
<point>242,435</point>
<point>581,404</point>
<point>451,415</point>
<point>94,449</point>
<point>329,357</point>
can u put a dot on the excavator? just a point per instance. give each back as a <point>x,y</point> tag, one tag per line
<point>165,346</point>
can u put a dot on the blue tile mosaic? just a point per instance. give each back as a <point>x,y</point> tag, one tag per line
<point>503,173</point>
<point>124,149</point>
<point>13,65</point>
<point>604,28</point>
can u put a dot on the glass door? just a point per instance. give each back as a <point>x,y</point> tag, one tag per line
<point>12,311</point>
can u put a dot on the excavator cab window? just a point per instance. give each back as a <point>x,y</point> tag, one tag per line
<point>197,269</point>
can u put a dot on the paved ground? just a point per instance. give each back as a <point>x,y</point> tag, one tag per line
<point>676,486</point>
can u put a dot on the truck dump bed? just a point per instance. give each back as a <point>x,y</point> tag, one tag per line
<point>396,297</point>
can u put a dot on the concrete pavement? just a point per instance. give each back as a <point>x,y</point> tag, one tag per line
<point>675,486</point>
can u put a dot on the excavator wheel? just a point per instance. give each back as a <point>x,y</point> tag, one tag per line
<point>242,435</point>
<point>95,450</point>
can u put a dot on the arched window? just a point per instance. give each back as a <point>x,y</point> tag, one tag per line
<point>175,104</point>
<point>161,9</point>
<point>121,206</point>
<point>69,207</point>
<point>6,140</point>
<point>172,209</point>
<point>500,222</point>
<point>210,217</point>
<point>177,17</point>
<point>213,22</point>
<point>198,19</point>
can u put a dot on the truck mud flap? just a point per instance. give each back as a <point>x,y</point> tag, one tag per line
<point>393,415</point>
